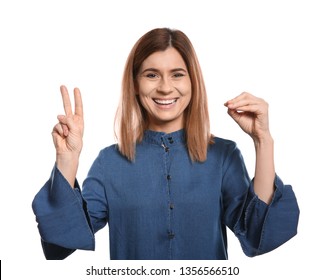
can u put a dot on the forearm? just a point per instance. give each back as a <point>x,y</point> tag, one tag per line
<point>68,167</point>
<point>265,169</point>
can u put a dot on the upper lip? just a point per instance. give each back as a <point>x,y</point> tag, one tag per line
<point>165,100</point>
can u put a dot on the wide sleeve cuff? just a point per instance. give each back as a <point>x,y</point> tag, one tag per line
<point>281,220</point>
<point>261,227</point>
<point>61,214</point>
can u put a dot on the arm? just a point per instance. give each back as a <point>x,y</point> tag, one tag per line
<point>251,113</point>
<point>67,136</point>
<point>265,170</point>
<point>57,193</point>
<point>269,214</point>
<point>67,219</point>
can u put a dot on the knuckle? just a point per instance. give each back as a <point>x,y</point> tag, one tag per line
<point>265,103</point>
<point>55,127</point>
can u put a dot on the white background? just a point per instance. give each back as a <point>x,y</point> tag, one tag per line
<point>272,49</point>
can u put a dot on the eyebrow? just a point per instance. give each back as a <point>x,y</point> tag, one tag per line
<point>156,70</point>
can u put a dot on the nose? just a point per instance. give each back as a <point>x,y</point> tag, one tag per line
<point>165,86</point>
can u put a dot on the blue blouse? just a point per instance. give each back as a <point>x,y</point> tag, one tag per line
<point>163,205</point>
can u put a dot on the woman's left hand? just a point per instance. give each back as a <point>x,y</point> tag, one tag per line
<point>251,114</point>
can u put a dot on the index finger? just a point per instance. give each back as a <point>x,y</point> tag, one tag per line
<point>242,99</point>
<point>66,101</point>
<point>78,102</point>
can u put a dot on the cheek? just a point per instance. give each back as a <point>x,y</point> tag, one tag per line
<point>145,103</point>
<point>186,92</point>
<point>187,97</point>
<point>144,89</point>
<point>185,88</point>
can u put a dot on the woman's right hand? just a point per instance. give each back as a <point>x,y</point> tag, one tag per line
<point>68,135</point>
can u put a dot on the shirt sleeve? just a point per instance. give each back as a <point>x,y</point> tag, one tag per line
<point>62,218</point>
<point>259,227</point>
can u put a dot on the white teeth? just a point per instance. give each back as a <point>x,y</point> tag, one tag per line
<point>165,102</point>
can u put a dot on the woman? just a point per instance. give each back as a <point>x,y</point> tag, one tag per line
<point>168,189</point>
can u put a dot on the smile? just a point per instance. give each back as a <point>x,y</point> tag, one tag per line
<point>165,101</point>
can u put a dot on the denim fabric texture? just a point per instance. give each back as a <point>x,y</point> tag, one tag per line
<point>163,205</point>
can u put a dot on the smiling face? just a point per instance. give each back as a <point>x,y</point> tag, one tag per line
<point>164,89</point>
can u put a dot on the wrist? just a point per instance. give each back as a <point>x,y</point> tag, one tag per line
<point>67,157</point>
<point>68,166</point>
<point>263,140</point>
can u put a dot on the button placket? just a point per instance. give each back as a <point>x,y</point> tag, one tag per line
<point>166,144</point>
<point>166,149</point>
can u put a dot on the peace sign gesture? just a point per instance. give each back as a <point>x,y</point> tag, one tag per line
<point>67,135</point>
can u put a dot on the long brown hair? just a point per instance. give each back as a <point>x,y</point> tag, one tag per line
<point>131,120</point>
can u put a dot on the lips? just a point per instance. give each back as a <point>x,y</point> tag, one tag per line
<point>165,102</point>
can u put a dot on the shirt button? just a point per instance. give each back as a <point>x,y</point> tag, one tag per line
<point>171,206</point>
<point>168,177</point>
<point>170,139</point>
<point>166,149</point>
<point>171,235</point>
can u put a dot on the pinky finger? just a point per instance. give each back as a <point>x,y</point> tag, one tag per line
<point>63,122</point>
<point>58,129</point>
<point>65,129</point>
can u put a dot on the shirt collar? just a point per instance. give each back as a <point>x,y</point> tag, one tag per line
<point>162,138</point>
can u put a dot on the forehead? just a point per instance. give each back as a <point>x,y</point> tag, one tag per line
<point>170,58</point>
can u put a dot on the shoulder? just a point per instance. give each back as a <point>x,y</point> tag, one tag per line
<point>108,161</point>
<point>113,151</point>
<point>222,144</point>
<point>223,149</point>
<point>109,150</point>
<point>225,152</point>
<point>110,154</point>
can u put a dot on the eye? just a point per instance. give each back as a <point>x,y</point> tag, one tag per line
<point>178,75</point>
<point>151,75</point>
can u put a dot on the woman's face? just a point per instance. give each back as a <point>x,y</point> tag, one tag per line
<point>164,89</point>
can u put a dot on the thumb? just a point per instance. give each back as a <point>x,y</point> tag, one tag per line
<point>234,114</point>
<point>66,122</point>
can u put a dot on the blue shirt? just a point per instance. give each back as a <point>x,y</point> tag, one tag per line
<point>163,205</point>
